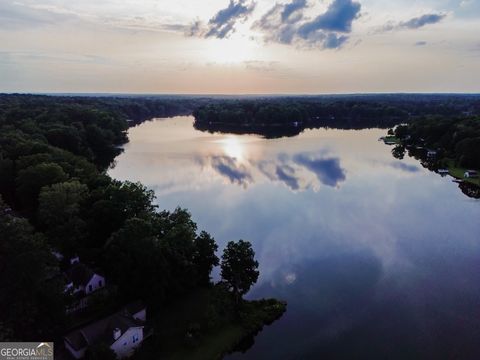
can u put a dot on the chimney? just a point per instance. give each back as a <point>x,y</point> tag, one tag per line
<point>116,333</point>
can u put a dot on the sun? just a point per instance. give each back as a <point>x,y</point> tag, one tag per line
<point>230,51</point>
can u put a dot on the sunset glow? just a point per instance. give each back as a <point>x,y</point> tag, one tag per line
<point>240,46</point>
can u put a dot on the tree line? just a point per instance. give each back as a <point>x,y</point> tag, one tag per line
<point>288,116</point>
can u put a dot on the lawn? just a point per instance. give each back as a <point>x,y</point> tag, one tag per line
<point>459,172</point>
<point>391,140</point>
<point>205,326</point>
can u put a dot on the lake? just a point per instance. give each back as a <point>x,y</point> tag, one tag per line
<point>378,258</point>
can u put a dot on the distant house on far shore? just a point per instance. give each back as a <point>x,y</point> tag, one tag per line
<point>471,174</point>
<point>123,332</point>
<point>431,154</point>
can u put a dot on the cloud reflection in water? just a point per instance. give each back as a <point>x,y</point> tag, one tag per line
<point>228,167</point>
<point>302,171</point>
<point>327,170</point>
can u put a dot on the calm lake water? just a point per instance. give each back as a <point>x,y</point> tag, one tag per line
<point>378,258</point>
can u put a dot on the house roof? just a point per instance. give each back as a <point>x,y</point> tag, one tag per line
<point>135,307</point>
<point>101,331</point>
<point>80,274</point>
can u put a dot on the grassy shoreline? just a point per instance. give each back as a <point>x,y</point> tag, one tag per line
<point>458,172</point>
<point>390,140</point>
<point>208,325</point>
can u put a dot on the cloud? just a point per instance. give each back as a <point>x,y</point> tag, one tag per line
<point>333,41</point>
<point>414,23</point>
<point>57,57</point>
<point>284,170</point>
<point>295,171</point>
<point>420,43</point>
<point>223,23</point>
<point>404,167</point>
<point>423,20</point>
<point>286,24</point>
<point>228,167</point>
<point>194,29</point>
<point>291,12</point>
<point>328,170</point>
<point>286,174</point>
<point>275,27</point>
<point>18,16</point>
<point>338,17</point>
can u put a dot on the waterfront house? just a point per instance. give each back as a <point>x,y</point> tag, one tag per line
<point>471,174</point>
<point>123,332</point>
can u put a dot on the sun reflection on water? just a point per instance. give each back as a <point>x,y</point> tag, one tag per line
<point>233,147</point>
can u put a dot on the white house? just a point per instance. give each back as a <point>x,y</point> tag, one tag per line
<point>80,278</point>
<point>123,332</point>
<point>472,174</point>
<point>81,282</point>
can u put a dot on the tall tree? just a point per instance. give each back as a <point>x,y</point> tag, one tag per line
<point>134,260</point>
<point>239,267</point>
<point>204,257</point>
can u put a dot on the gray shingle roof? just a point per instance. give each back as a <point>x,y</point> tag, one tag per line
<point>80,274</point>
<point>101,331</point>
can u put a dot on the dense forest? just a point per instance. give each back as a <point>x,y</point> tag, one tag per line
<point>453,138</point>
<point>55,198</point>
<point>288,116</point>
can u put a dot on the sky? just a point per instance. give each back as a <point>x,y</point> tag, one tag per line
<point>240,46</point>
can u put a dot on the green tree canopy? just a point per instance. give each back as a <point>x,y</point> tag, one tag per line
<point>135,260</point>
<point>239,267</point>
<point>59,214</point>
<point>32,179</point>
<point>204,257</point>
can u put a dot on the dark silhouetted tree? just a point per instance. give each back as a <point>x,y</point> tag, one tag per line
<point>204,257</point>
<point>239,267</point>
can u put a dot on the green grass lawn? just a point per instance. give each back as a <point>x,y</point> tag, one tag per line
<point>391,139</point>
<point>459,172</point>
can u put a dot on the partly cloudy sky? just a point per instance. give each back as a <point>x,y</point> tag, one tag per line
<point>240,46</point>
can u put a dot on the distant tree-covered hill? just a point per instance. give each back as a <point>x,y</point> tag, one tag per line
<point>286,116</point>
